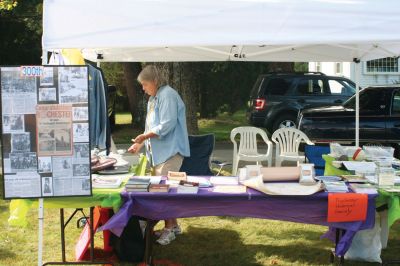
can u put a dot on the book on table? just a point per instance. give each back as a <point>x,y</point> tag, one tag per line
<point>363,188</point>
<point>335,186</point>
<point>136,184</point>
<point>160,188</point>
<point>186,187</point>
<point>179,176</point>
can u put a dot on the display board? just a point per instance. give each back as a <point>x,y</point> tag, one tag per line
<point>45,131</point>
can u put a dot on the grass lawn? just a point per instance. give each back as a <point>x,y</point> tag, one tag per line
<point>221,126</point>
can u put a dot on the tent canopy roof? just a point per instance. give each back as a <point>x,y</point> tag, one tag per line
<point>209,30</point>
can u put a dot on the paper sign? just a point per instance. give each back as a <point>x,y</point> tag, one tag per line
<point>347,207</point>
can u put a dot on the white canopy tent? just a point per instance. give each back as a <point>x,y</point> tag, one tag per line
<point>237,30</point>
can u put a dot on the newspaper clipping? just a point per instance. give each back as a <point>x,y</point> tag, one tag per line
<point>73,85</point>
<point>47,94</point>
<point>54,136</point>
<point>18,92</point>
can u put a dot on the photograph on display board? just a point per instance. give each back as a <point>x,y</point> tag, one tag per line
<point>62,166</point>
<point>81,132</point>
<point>47,77</point>
<point>54,124</point>
<point>81,150</point>
<point>63,139</point>
<point>81,169</point>
<point>44,165</point>
<point>23,161</point>
<point>80,113</point>
<point>47,94</point>
<point>20,142</point>
<point>13,123</point>
<point>47,186</point>
<point>73,84</point>
<point>12,82</point>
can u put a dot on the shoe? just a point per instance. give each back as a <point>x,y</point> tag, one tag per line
<point>166,237</point>
<point>176,229</point>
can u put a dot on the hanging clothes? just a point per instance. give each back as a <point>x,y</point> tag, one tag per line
<point>98,116</point>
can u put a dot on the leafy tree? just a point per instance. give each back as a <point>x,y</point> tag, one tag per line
<point>21,32</point>
<point>8,4</point>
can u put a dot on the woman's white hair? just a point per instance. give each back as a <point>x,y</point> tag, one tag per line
<point>152,73</point>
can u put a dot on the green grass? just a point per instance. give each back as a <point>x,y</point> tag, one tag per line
<point>221,126</point>
<point>206,241</point>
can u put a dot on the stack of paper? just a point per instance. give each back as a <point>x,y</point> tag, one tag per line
<point>335,186</point>
<point>99,181</point>
<point>187,187</point>
<point>203,182</point>
<point>363,188</point>
<point>224,180</point>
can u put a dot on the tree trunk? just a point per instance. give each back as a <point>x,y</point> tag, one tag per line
<point>186,81</point>
<point>135,94</point>
<point>184,78</point>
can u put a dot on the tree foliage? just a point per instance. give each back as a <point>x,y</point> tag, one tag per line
<point>21,32</point>
<point>8,4</point>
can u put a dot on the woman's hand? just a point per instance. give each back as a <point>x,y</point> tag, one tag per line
<point>135,148</point>
<point>140,139</point>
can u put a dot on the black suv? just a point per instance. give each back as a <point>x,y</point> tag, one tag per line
<point>277,98</point>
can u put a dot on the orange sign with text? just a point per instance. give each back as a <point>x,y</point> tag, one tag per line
<point>347,207</point>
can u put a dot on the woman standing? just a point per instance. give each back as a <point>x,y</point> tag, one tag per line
<point>165,137</point>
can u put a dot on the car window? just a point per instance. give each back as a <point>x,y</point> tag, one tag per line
<point>310,86</point>
<point>341,87</point>
<point>370,100</point>
<point>277,86</point>
<point>256,87</point>
<point>396,103</point>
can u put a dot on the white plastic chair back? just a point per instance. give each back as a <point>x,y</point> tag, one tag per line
<point>248,146</point>
<point>288,142</point>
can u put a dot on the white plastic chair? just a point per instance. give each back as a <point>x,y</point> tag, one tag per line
<point>248,146</point>
<point>287,144</point>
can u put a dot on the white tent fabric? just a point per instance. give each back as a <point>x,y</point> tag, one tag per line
<point>219,30</point>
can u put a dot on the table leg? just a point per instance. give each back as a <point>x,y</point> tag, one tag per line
<point>339,234</point>
<point>148,260</point>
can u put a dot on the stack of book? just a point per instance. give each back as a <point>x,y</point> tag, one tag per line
<point>160,188</point>
<point>136,184</point>
<point>336,186</point>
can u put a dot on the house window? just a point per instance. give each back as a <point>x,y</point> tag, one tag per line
<point>383,65</point>
<point>338,68</point>
<point>318,66</point>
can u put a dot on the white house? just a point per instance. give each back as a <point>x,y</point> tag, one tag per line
<point>375,72</point>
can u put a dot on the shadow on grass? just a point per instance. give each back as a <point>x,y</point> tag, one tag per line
<point>6,254</point>
<point>203,246</point>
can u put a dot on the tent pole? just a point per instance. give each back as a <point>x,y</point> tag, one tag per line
<point>40,214</point>
<point>357,78</point>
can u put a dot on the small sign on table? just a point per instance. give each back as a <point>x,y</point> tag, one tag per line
<point>347,207</point>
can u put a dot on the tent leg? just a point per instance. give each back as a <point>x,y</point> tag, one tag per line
<point>357,79</point>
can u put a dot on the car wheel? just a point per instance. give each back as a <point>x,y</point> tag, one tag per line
<point>284,121</point>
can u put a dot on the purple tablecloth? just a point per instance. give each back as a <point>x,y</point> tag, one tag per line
<point>302,209</point>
